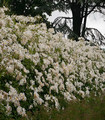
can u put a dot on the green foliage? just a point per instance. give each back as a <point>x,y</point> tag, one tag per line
<point>4,3</point>
<point>32,8</point>
<point>3,115</point>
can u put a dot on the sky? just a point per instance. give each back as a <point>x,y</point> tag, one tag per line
<point>97,20</point>
<point>94,20</point>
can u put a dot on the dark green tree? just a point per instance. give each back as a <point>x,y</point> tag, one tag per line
<point>4,3</point>
<point>30,7</point>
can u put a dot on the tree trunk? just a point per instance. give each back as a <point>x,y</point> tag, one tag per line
<point>85,20</point>
<point>77,20</point>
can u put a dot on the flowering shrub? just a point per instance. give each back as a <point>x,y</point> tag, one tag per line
<point>37,67</point>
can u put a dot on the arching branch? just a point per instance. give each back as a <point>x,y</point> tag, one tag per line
<point>92,34</point>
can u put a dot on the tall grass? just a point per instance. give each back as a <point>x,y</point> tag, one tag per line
<point>92,108</point>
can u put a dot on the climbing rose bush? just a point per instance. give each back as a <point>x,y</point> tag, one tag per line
<point>38,67</point>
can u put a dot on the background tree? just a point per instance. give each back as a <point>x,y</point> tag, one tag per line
<point>75,26</point>
<point>30,7</point>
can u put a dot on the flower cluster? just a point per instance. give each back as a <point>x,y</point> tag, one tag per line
<point>38,66</point>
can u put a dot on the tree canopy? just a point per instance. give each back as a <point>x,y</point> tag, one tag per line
<point>30,7</point>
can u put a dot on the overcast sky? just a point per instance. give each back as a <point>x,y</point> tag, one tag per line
<point>94,20</point>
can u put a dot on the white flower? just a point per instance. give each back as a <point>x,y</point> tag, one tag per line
<point>70,87</point>
<point>22,81</point>
<point>25,70</point>
<point>56,102</point>
<point>21,111</point>
<point>8,109</point>
<point>81,39</point>
<point>7,85</point>
<point>67,96</point>
<point>54,88</point>
<point>24,40</point>
<point>19,76</point>
<point>27,35</point>
<point>10,69</point>
<point>40,101</point>
<point>81,93</point>
<point>1,24</point>
<point>22,97</point>
<point>87,92</point>
<point>0,50</point>
<point>1,96</point>
<point>32,82</point>
<point>36,95</point>
<point>31,106</point>
<point>46,104</point>
<point>61,87</point>
<point>21,55</point>
<point>51,30</point>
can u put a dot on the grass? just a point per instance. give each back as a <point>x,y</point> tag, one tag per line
<point>92,108</point>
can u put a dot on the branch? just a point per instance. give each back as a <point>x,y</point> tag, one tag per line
<point>91,10</point>
<point>97,31</point>
<point>96,35</point>
<point>64,17</point>
<point>56,22</point>
<point>83,7</point>
<point>69,2</point>
<point>99,11</point>
<point>93,7</point>
<point>97,5</point>
<point>58,19</point>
